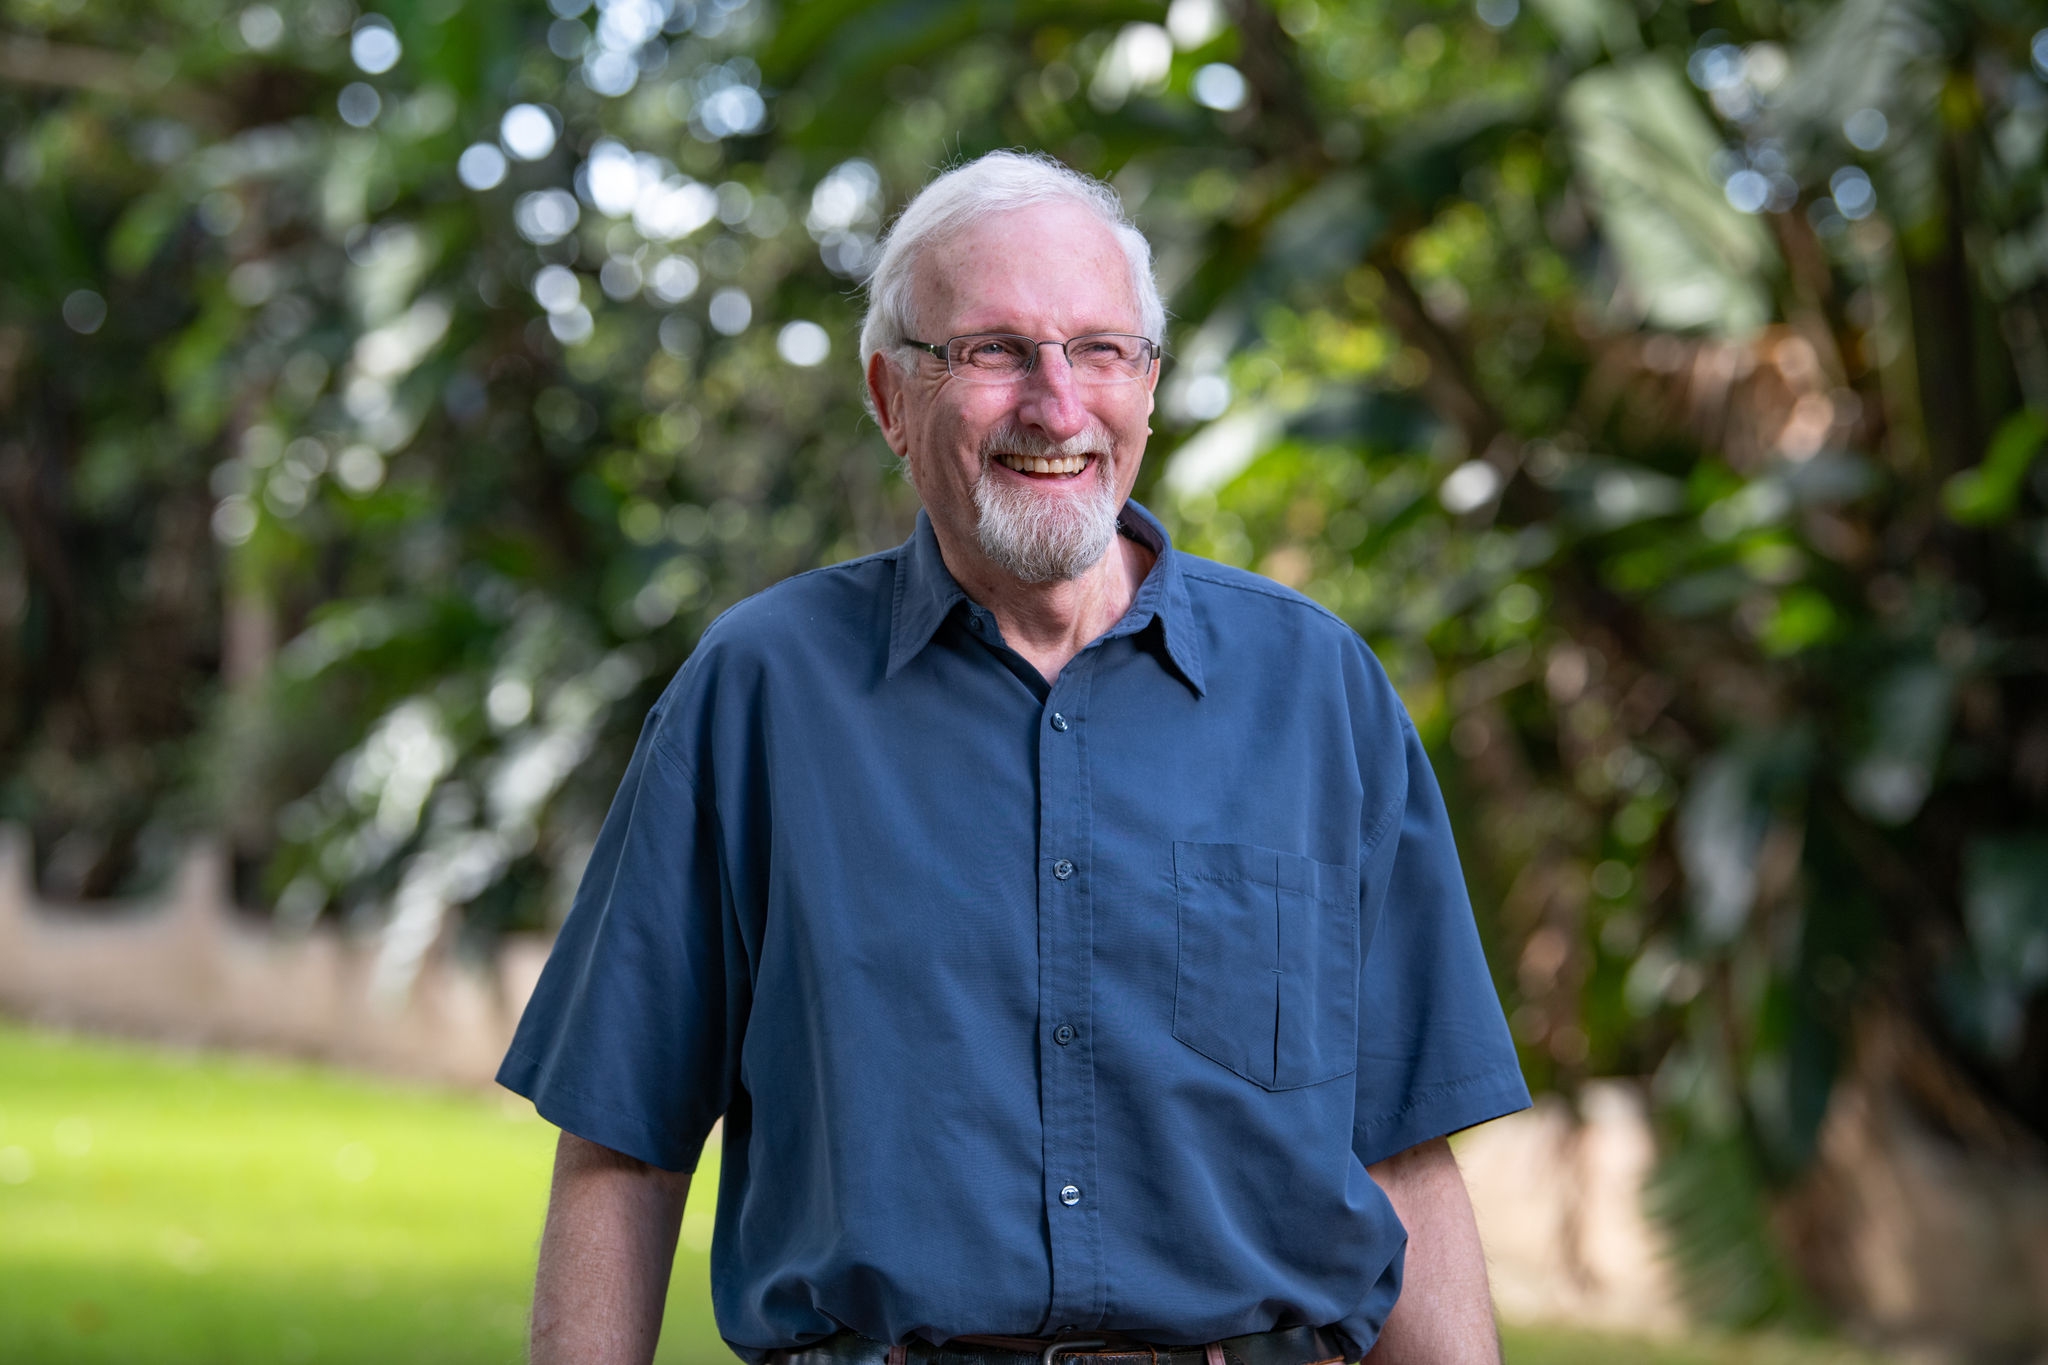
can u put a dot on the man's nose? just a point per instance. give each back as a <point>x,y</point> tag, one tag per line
<point>1051,397</point>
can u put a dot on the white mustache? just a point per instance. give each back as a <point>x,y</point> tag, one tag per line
<point>1012,440</point>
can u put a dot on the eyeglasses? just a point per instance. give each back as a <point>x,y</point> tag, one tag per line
<point>999,357</point>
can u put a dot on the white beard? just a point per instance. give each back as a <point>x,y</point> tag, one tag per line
<point>1041,539</point>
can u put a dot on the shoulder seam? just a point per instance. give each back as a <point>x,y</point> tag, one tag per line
<point>1381,822</point>
<point>662,750</point>
<point>1398,802</point>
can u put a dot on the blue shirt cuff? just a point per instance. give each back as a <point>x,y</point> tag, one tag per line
<point>1442,1110</point>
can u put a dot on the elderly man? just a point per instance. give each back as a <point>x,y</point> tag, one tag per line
<point>1067,929</point>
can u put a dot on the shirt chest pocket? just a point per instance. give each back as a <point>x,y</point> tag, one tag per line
<point>1267,982</point>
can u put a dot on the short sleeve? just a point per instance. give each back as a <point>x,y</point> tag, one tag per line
<point>625,1040</point>
<point>1434,1054</point>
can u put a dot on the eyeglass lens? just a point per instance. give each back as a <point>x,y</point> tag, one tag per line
<point>1100,357</point>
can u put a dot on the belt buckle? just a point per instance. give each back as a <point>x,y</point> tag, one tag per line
<point>1068,1346</point>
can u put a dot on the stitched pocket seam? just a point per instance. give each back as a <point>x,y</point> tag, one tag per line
<point>1246,1001</point>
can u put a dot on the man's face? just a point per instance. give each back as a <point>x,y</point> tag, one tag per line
<point>1028,473</point>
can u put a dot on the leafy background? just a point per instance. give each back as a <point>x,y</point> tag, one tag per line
<point>389,397</point>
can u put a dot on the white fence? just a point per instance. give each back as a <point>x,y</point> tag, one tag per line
<point>189,968</point>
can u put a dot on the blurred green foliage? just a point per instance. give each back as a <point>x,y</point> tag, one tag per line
<point>388,399</point>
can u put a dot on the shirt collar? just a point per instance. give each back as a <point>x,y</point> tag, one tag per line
<point>1163,597</point>
<point>926,593</point>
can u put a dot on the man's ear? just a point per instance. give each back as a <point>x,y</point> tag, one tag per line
<point>886,388</point>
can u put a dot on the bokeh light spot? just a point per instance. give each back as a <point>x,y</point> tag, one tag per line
<point>359,468</point>
<point>730,311</point>
<point>673,279</point>
<point>1748,191</point>
<point>1469,487</point>
<point>510,701</point>
<point>803,343</point>
<point>481,166</point>
<point>1206,397</point>
<point>358,104</point>
<point>556,288</point>
<point>528,132</point>
<point>234,520</point>
<point>1866,129</point>
<point>546,215</point>
<point>260,27</point>
<point>85,312</point>
<point>1191,23</point>
<point>572,325</point>
<point>374,47</point>
<point>1498,13</point>
<point>1220,86</point>
<point>1855,196</point>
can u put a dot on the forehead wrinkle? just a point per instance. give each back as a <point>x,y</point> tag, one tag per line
<point>1001,276</point>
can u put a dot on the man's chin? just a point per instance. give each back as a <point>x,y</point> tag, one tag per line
<point>1044,536</point>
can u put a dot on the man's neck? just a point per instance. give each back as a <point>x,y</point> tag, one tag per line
<point>1049,623</point>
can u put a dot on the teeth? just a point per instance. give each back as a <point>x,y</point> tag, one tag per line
<point>1038,464</point>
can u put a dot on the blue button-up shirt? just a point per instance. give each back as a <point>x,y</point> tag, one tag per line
<point>1027,1007</point>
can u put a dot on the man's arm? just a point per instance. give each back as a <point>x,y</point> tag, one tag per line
<point>1445,1312</point>
<point>605,1256</point>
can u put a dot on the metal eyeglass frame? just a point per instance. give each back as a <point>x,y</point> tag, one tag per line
<point>942,349</point>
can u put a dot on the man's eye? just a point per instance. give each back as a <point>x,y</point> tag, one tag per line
<point>992,350</point>
<point>1107,351</point>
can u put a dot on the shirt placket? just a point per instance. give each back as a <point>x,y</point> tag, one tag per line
<point>1066,943</point>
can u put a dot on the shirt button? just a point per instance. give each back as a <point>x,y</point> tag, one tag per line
<point>1063,1035</point>
<point>1059,722</point>
<point>1063,869</point>
<point>1071,1195</point>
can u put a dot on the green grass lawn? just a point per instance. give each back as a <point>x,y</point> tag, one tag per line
<point>158,1206</point>
<point>1553,1346</point>
<point>167,1207</point>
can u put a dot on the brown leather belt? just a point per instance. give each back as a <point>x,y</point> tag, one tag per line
<point>1286,1346</point>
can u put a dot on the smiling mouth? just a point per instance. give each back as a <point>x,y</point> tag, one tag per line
<point>1061,466</point>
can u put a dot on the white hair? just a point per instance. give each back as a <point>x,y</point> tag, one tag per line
<point>1000,182</point>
